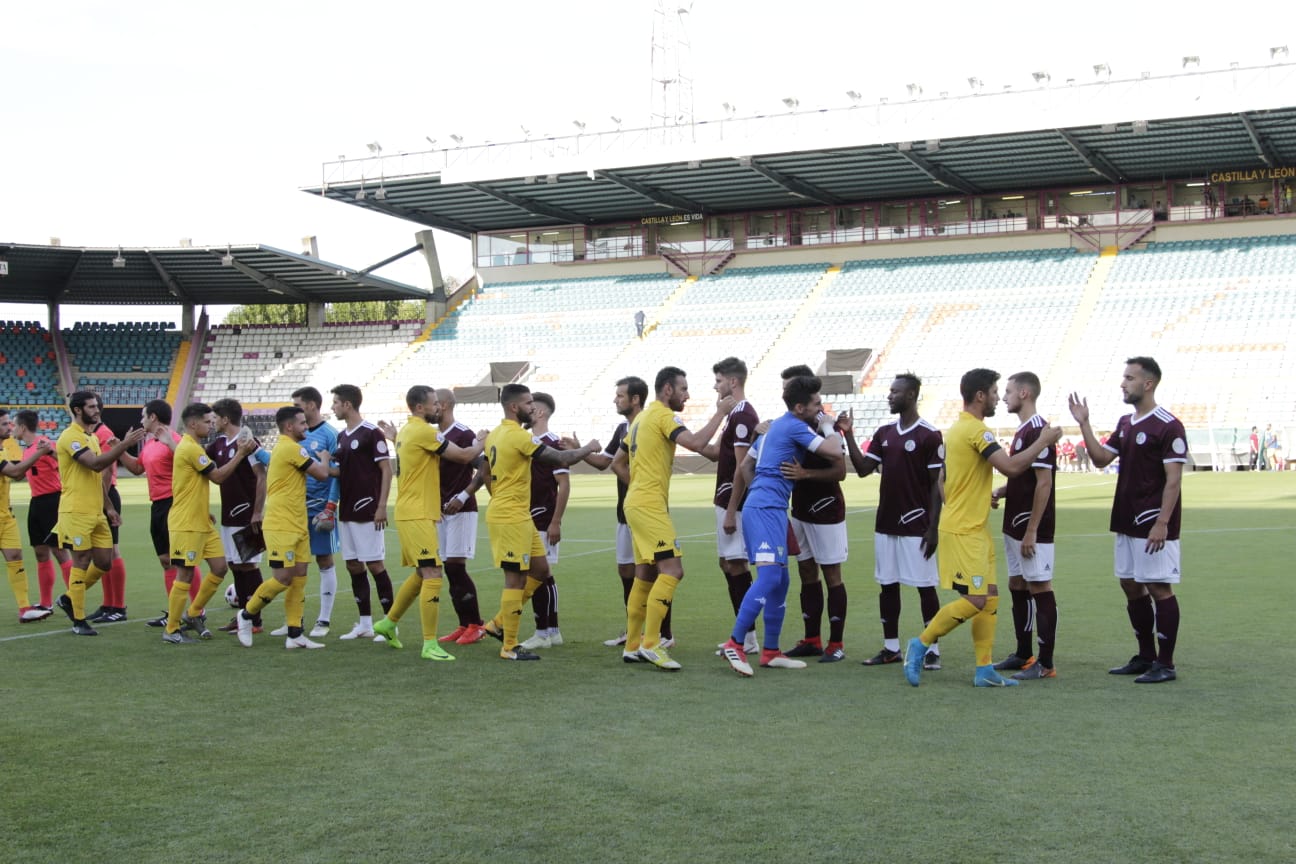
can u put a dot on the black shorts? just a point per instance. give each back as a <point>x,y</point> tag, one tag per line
<point>158,526</point>
<point>115,498</point>
<point>42,519</point>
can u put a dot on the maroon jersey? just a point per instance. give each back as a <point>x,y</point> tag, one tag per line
<point>819,502</point>
<point>1145,446</point>
<point>1021,489</point>
<point>906,458</point>
<point>455,476</point>
<point>360,453</point>
<point>238,492</point>
<point>736,436</point>
<point>611,450</point>
<point>544,484</point>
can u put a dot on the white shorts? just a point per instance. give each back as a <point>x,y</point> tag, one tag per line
<point>458,535</point>
<point>730,546</point>
<point>900,559</point>
<point>624,545</point>
<point>231,548</point>
<point>361,541</point>
<point>1133,563</point>
<point>826,544</point>
<point>1037,569</point>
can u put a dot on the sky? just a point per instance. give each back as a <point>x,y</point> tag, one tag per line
<point>141,123</point>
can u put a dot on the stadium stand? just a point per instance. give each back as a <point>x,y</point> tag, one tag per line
<point>29,372</point>
<point>265,363</point>
<point>127,363</point>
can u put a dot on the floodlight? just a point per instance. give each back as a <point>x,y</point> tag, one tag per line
<point>381,194</point>
<point>617,120</point>
<point>374,148</point>
<point>361,194</point>
<point>853,96</point>
<point>730,110</point>
<point>1041,77</point>
<point>119,262</point>
<point>1101,69</point>
<point>915,90</point>
<point>791,102</point>
<point>458,139</point>
<point>4,268</point>
<point>227,260</point>
<point>1277,51</point>
<point>526,133</point>
<point>430,140</point>
<point>580,125</point>
<point>1191,60</point>
<point>975,83</point>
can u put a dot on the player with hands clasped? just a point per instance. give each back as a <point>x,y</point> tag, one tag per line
<point>1153,450</point>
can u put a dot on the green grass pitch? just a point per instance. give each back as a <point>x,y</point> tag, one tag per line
<point>123,749</point>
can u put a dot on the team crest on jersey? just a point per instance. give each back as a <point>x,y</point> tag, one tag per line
<point>1140,438</point>
<point>940,451</point>
<point>76,541</point>
<point>1178,446</point>
<point>76,445</point>
<point>191,555</point>
<point>526,561</point>
<point>303,452</point>
<point>1017,445</point>
<point>204,461</point>
<point>910,446</point>
<point>988,436</point>
<point>290,556</point>
<point>976,582</point>
<point>230,455</point>
<point>355,445</point>
<point>679,421</point>
<point>381,446</point>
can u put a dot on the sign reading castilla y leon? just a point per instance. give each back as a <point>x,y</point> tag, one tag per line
<point>673,219</point>
<point>1252,174</point>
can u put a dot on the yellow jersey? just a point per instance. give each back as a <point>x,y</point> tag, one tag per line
<point>650,443</point>
<point>285,507</point>
<point>82,487</point>
<point>10,451</point>
<point>968,476</point>
<point>419,446</point>
<point>509,449</point>
<point>190,487</point>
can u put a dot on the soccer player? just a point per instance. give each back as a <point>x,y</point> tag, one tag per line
<point>819,528</point>
<point>155,460</point>
<point>242,497</point>
<point>550,490</point>
<point>765,518</point>
<point>966,554</point>
<point>192,533</point>
<point>14,465</point>
<point>458,530</point>
<point>364,472</point>
<point>910,453</point>
<point>114,581</point>
<point>1028,522</point>
<point>286,529</point>
<point>650,448</point>
<point>85,511</point>
<point>1153,450</point>
<point>321,505</point>
<point>736,435</point>
<point>516,545</point>
<point>42,512</point>
<point>420,447</point>
<point>631,394</point>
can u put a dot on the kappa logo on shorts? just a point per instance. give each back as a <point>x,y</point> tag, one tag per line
<point>661,544</point>
<point>423,551</point>
<point>764,547</point>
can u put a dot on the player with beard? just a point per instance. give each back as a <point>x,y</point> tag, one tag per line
<point>1028,520</point>
<point>631,394</point>
<point>85,510</point>
<point>1153,450</point>
<point>650,444</point>
<point>516,545</point>
<point>910,453</point>
<point>966,555</point>
<point>458,531</point>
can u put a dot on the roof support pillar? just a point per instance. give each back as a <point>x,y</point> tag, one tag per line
<point>314,316</point>
<point>53,310</point>
<point>187,318</point>
<point>427,243</point>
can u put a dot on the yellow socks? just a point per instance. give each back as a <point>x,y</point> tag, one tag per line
<point>659,603</point>
<point>295,602</point>
<point>983,632</point>
<point>265,595</point>
<point>176,601</point>
<point>18,582</point>
<point>430,606</point>
<point>210,585</point>
<point>93,575</point>
<point>511,616</point>
<point>76,592</point>
<point>532,586</point>
<point>636,611</point>
<point>405,595</point>
<point>950,616</point>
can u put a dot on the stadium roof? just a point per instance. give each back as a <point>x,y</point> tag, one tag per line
<point>234,275</point>
<point>974,144</point>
